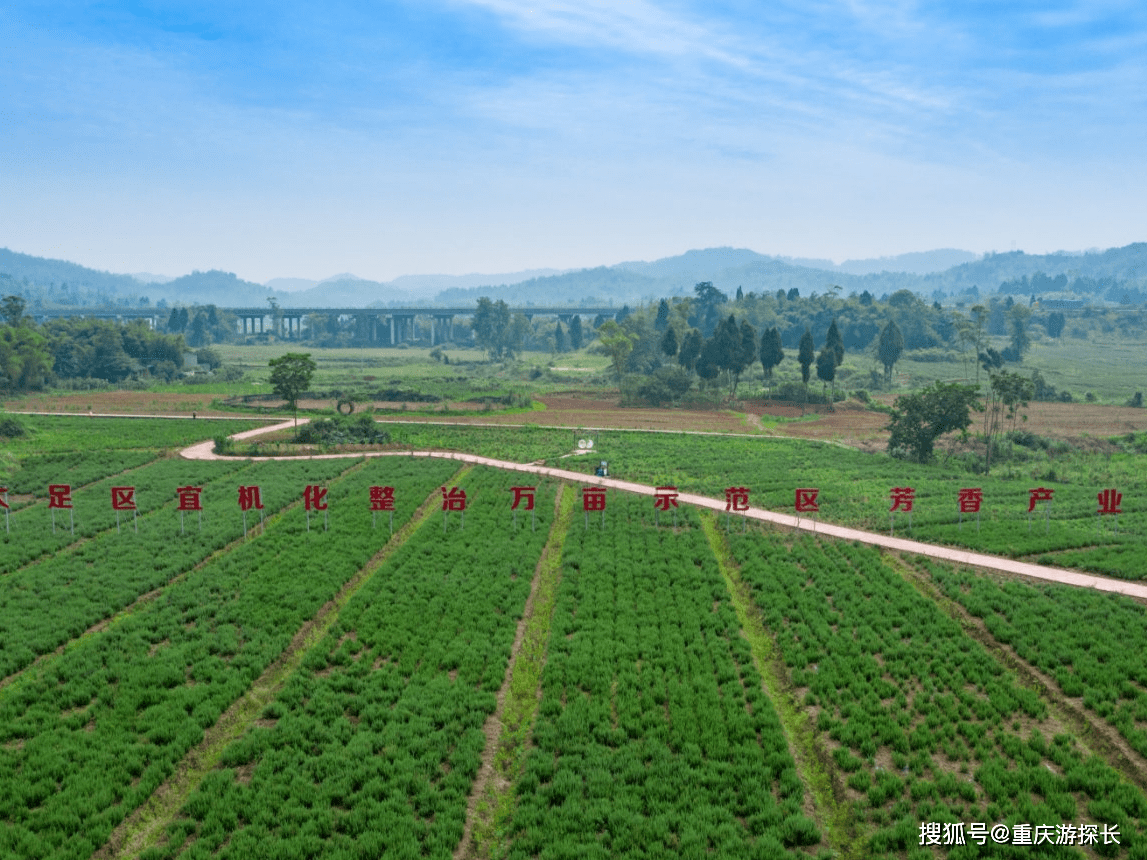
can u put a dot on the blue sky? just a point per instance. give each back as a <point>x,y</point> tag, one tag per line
<point>455,136</point>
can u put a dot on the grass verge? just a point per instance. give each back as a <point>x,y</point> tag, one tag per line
<point>490,822</point>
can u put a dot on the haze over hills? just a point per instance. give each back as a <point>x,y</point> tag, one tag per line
<point>1122,271</point>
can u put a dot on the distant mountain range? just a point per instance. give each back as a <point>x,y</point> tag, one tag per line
<point>930,273</point>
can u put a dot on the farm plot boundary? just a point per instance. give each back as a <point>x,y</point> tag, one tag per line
<point>508,730</point>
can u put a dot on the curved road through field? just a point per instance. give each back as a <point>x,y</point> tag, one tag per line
<point>204,451</point>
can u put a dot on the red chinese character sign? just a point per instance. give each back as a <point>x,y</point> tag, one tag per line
<point>664,499</point>
<point>736,501</point>
<point>381,499</point>
<point>969,500</point>
<point>454,499</point>
<point>250,499</point>
<point>524,495</point>
<point>593,499</point>
<point>60,496</point>
<point>315,499</point>
<point>1040,494</point>
<point>123,499</point>
<point>1109,502</point>
<point>805,502</point>
<point>903,499</point>
<point>189,500</point>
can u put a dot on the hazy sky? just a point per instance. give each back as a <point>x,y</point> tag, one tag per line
<point>455,136</point>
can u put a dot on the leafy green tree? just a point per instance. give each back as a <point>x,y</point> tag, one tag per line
<point>25,360</point>
<point>826,371</point>
<point>617,344</point>
<point>1055,324</point>
<point>197,337</point>
<point>833,341</point>
<point>889,348</point>
<point>690,349</point>
<point>772,352</point>
<point>745,352</point>
<point>806,355</point>
<point>709,361</point>
<point>1008,390</point>
<point>575,332</point>
<point>12,309</point>
<point>707,306</point>
<point>1017,319</point>
<point>669,343</point>
<point>291,376</point>
<point>662,321</point>
<point>919,419</point>
<point>491,324</point>
<point>559,338</point>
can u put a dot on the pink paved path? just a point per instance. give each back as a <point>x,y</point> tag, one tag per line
<point>203,451</point>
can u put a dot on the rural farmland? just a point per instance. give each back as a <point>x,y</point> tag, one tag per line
<point>318,675</point>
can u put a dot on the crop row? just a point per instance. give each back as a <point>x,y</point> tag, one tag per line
<point>1093,644</point>
<point>87,736</point>
<point>75,468</point>
<point>84,434</point>
<point>923,723</point>
<point>653,736</point>
<point>377,739</point>
<point>33,536</point>
<point>47,604</point>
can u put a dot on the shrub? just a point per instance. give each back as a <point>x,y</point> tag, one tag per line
<point>10,428</point>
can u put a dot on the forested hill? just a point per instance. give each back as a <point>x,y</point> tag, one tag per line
<point>68,283</point>
<point>213,288</point>
<point>730,268</point>
<point>1118,274</point>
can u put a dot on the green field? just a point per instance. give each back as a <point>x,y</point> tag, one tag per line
<point>314,685</point>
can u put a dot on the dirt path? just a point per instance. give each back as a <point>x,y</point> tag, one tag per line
<point>955,555</point>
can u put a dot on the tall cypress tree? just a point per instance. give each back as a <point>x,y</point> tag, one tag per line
<point>806,355</point>
<point>833,341</point>
<point>575,332</point>
<point>772,353</point>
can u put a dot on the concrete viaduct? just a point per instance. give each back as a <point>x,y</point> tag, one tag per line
<point>383,326</point>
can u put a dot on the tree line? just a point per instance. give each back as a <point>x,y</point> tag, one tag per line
<point>33,356</point>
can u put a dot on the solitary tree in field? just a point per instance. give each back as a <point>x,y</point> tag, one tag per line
<point>918,420</point>
<point>889,347</point>
<point>291,376</point>
<point>491,323</point>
